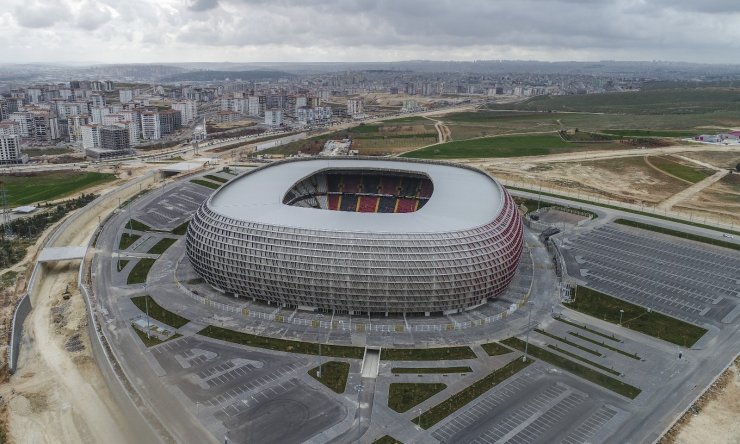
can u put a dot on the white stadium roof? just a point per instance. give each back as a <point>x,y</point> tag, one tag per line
<point>463,198</point>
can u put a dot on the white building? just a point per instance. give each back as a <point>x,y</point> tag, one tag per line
<point>97,113</point>
<point>254,107</point>
<point>97,100</point>
<point>150,128</point>
<point>188,111</point>
<point>306,114</point>
<point>126,95</point>
<point>355,107</point>
<point>9,128</point>
<point>25,123</point>
<point>274,117</point>
<point>10,149</point>
<point>91,136</point>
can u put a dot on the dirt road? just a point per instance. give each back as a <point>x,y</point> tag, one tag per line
<point>689,192</point>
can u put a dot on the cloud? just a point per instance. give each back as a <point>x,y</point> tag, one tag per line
<point>41,14</point>
<point>358,30</point>
<point>203,5</point>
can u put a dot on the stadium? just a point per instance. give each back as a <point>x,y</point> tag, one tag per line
<point>359,236</point>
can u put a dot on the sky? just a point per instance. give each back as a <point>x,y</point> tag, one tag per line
<point>151,31</point>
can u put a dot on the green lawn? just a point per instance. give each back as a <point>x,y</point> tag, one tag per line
<point>122,264</point>
<point>500,146</point>
<point>206,183</point>
<point>135,225</point>
<point>679,170</point>
<point>158,312</point>
<point>652,133</point>
<point>464,396</point>
<point>181,229</point>
<point>127,240</point>
<point>285,345</point>
<point>403,396</point>
<point>577,369</point>
<point>495,349</point>
<point>333,375</point>
<point>162,246</point>
<point>605,307</point>
<point>28,188</point>
<point>215,178</point>
<point>689,236</point>
<point>429,370</point>
<point>46,152</point>
<point>140,271</point>
<point>427,354</point>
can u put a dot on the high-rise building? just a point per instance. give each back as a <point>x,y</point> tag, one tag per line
<point>114,138</point>
<point>188,110</point>
<point>10,149</point>
<point>150,129</point>
<point>355,107</point>
<point>25,123</point>
<point>91,136</point>
<point>169,121</point>
<point>126,95</point>
<point>274,117</point>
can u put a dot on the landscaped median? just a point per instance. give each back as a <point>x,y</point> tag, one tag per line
<point>427,354</point>
<point>429,370</point>
<point>464,396</point>
<point>586,373</point>
<point>206,183</point>
<point>607,308</point>
<point>140,271</point>
<point>283,345</point>
<point>403,396</point>
<point>158,312</point>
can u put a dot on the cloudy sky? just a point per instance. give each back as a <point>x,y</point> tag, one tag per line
<point>368,30</point>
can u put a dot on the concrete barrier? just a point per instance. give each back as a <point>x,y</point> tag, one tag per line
<point>16,331</point>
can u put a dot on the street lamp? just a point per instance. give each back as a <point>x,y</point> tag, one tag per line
<point>621,312</point>
<point>529,322</point>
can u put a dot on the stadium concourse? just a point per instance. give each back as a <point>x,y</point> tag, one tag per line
<point>359,236</point>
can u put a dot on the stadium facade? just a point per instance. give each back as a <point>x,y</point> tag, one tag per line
<point>359,235</point>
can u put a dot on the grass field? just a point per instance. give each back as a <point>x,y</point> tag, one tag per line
<point>464,396</point>
<point>158,312</point>
<point>682,234</point>
<point>651,133</point>
<point>427,354</point>
<point>333,375</point>
<point>162,246</point>
<point>285,345</point>
<point>503,146</point>
<point>586,328</point>
<point>215,178</point>
<point>664,100</point>
<point>181,229</point>
<point>403,396</point>
<point>127,240</point>
<point>134,224</point>
<point>140,271</point>
<point>46,152</point>
<point>429,370</point>
<point>577,369</point>
<point>120,265</point>
<point>607,308</point>
<point>28,188</point>
<point>685,172</point>
<point>206,183</point>
<point>495,349</point>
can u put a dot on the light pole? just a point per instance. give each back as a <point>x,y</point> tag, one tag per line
<point>621,312</point>
<point>529,321</point>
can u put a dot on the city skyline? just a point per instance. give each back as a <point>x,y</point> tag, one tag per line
<point>147,31</point>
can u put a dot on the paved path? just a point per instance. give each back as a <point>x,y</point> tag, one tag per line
<point>692,190</point>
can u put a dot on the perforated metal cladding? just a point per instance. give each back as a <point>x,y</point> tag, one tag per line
<point>357,271</point>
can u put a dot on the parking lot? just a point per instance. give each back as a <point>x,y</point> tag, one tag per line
<point>682,278</point>
<point>533,407</point>
<point>173,206</point>
<point>246,393</point>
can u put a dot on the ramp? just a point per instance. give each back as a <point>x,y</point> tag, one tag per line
<point>370,363</point>
<point>54,254</point>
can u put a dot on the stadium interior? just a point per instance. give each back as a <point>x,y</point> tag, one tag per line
<point>364,192</point>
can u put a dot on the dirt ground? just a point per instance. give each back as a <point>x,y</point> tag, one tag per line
<point>58,394</point>
<point>624,176</point>
<point>716,419</point>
